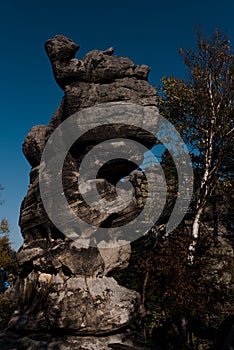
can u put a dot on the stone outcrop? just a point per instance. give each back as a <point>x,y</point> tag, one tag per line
<point>66,296</point>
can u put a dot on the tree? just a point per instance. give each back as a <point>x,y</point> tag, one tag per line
<point>9,263</point>
<point>7,254</point>
<point>201,108</point>
<point>4,226</point>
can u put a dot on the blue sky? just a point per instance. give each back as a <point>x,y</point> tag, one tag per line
<point>149,32</point>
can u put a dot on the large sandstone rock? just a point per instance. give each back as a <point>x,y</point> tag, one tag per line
<point>65,289</point>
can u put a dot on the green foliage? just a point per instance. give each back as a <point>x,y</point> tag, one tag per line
<point>204,102</point>
<point>201,108</point>
<point>7,256</point>
<point>9,263</point>
<point>6,309</point>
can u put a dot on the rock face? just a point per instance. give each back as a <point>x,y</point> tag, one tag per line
<point>66,290</point>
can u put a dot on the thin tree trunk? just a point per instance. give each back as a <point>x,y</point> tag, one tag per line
<point>195,233</point>
<point>205,182</point>
<point>143,299</point>
<point>215,215</point>
<point>144,287</point>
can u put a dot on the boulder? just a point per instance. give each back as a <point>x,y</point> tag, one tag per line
<point>66,297</point>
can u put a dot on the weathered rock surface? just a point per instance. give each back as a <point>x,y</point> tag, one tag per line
<point>43,342</point>
<point>65,289</point>
<point>97,66</point>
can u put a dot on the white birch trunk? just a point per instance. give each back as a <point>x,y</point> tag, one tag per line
<point>205,185</point>
<point>195,233</point>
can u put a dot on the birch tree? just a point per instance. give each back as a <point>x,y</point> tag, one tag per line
<point>201,108</point>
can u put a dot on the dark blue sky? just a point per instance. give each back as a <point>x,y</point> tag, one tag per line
<point>149,32</point>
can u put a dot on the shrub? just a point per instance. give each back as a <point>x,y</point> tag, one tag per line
<point>6,309</point>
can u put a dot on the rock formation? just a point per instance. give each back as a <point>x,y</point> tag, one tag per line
<point>67,298</point>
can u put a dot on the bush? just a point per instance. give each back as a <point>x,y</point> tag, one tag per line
<point>6,309</point>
